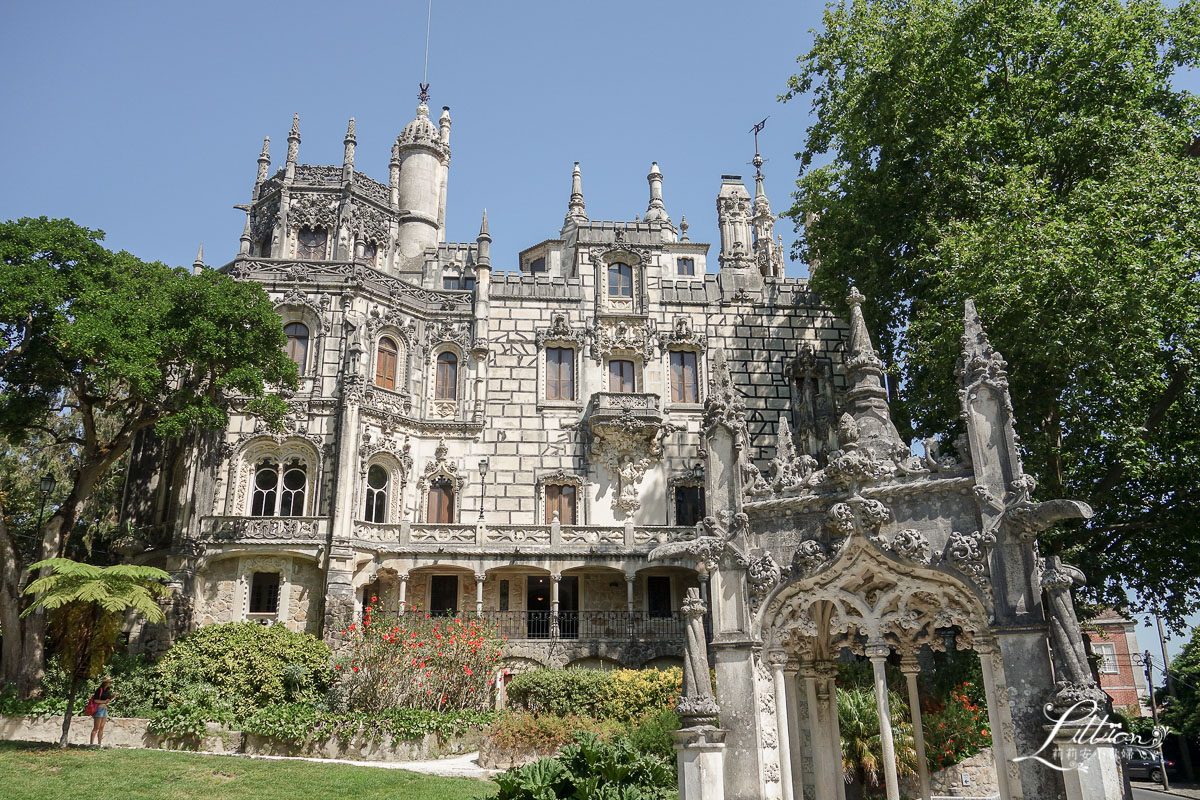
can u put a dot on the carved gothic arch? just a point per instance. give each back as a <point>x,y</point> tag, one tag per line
<point>561,477</point>
<point>380,449</point>
<point>638,258</point>
<point>253,450</point>
<point>440,467</point>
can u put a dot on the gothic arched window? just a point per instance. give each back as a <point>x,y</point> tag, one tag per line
<point>310,243</point>
<point>620,280</point>
<point>297,344</point>
<point>295,484</point>
<point>445,385</point>
<point>266,488</point>
<point>386,359</point>
<point>377,486</point>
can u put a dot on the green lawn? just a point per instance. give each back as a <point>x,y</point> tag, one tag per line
<point>41,772</point>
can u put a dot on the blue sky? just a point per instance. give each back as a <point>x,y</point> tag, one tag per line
<point>145,119</point>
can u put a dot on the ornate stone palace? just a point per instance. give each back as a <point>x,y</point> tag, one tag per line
<point>617,456</point>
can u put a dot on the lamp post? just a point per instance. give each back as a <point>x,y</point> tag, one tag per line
<point>483,471</point>
<point>46,485</point>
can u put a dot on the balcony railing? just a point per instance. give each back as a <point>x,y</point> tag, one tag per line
<point>264,529</point>
<point>523,536</point>
<point>587,624</point>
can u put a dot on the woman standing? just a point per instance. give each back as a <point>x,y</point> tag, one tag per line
<point>103,696</point>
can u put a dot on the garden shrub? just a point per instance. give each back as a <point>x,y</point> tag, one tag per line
<point>591,768</point>
<point>956,727</point>
<point>621,694</point>
<point>299,723</point>
<point>417,661</point>
<point>523,731</point>
<point>651,733</point>
<point>247,665</point>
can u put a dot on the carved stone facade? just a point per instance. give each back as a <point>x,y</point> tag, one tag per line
<point>514,443</point>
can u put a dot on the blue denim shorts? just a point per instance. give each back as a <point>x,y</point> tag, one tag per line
<point>101,713</point>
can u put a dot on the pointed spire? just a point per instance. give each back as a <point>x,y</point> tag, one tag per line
<point>444,123</point>
<point>350,130</point>
<point>293,151</point>
<point>198,264</point>
<point>264,160</point>
<point>575,209</point>
<point>348,156</point>
<point>483,244</point>
<point>244,246</point>
<point>979,361</point>
<point>656,211</point>
<point>483,227</point>
<point>866,396</point>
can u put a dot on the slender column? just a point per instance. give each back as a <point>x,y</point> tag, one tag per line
<point>793,715</point>
<point>822,758</point>
<point>403,593</point>
<point>479,579</point>
<point>704,587</point>
<point>777,659</point>
<point>999,746</point>
<point>910,668</point>
<point>554,580</point>
<point>833,728</point>
<point>630,580</point>
<point>878,654</point>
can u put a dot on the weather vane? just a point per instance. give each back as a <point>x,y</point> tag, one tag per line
<point>758,160</point>
<point>424,95</point>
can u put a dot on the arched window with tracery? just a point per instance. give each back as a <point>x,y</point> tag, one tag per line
<point>266,488</point>
<point>297,344</point>
<point>377,490</point>
<point>445,385</point>
<point>387,357</point>
<point>310,244</point>
<point>295,487</point>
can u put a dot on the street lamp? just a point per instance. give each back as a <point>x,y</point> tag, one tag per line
<point>698,471</point>
<point>483,471</point>
<point>46,484</point>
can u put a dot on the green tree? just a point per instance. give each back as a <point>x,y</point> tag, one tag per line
<point>97,347</point>
<point>862,742</point>
<point>87,605</point>
<point>1182,712</point>
<point>1033,155</point>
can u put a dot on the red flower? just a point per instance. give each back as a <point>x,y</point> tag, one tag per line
<point>355,669</point>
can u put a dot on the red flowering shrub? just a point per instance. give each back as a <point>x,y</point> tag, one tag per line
<point>417,661</point>
<point>956,728</point>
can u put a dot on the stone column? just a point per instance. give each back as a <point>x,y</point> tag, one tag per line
<point>822,757</point>
<point>630,580</point>
<point>479,579</point>
<point>878,654</point>
<point>794,739</point>
<point>403,592</point>
<point>554,581</point>
<point>999,746</point>
<point>778,659</point>
<point>910,668</point>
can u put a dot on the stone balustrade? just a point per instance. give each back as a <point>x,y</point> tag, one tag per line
<point>300,530</point>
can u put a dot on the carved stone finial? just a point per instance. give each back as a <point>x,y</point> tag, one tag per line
<point>683,229</point>
<point>350,130</point>
<point>266,149</point>
<point>295,131</point>
<point>198,264</point>
<point>697,706</point>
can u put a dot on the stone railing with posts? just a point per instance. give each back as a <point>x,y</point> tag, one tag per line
<point>304,530</point>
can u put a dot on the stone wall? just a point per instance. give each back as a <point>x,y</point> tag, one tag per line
<point>979,772</point>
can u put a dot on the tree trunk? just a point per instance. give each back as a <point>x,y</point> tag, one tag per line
<point>10,606</point>
<point>70,711</point>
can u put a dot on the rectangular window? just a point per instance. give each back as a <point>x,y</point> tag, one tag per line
<point>504,595</point>
<point>686,266</point>
<point>1108,657</point>
<point>620,280</point>
<point>468,283</point>
<point>451,282</point>
<point>443,594</point>
<point>658,595</point>
<point>685,386</point>
<point>560,498</point>
<point>441,503</point>
<point>689,505</point>
<point>264,593</point>
<point>560,373</point>
<point>537,265</point>
<point>385,366</point>
<point>620,376</point>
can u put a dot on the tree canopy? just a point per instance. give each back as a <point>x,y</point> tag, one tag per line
<point>97,347</point>
<point>1033,155</point>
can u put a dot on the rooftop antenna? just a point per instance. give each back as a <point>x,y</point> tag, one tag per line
<point>758,160</point>
<point>424,95</point>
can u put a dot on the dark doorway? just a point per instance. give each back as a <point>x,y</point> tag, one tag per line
<point>568,607</point>
<point>443,594</point>
<point>658,596</point>
<point>537,604</point>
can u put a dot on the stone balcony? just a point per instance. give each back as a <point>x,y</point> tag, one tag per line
<point>627,430</point>
<point>261,530</point>
<point>520,538</point>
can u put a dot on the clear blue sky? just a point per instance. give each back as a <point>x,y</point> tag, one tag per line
<point>145,119</point>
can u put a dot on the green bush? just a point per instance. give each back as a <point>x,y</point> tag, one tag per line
<point>523,731</point>
<point>621,694</point>
<point>651,733</point>
<point>247,665</point>
<point>591,768</point>
<point>298,723</point>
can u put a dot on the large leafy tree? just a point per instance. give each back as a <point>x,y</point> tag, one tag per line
<point>87,605</point>
<point>1034,155</point>
<point>97,347</point>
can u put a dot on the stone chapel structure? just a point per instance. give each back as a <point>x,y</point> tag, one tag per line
<point>595,449</point>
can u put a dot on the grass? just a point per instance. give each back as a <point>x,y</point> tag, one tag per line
<point>43,772</point>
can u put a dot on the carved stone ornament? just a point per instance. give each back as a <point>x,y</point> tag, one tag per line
<point>439,332</point>
<point>373,225</point>
<point>857,515</point>
<point>295,297</point>
<point>627,438</point>
<point>711,550</point>
<point>441,466</point>
<point>314,210</point>
<point>696,706</point>
<point>620,337</point>
<point>968,553</point>
<point>788,471</point>
<point>263,218</point>
<point>723,405</point>
<point>763,575</point>
<point>560,330</point>
<point>258,529</point>
<point>682,335</point>
<point>910,544</point>
<point>810,556</point>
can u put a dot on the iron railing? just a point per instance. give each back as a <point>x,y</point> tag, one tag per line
<point>587,624</point>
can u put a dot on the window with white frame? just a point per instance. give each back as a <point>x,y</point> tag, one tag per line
<point>560,373</point>
<point>1107,651</point>
<point>685,377</point>
<point>377,494</point>
<point>279,488</point>
<point>297,344</point>
<point>264,593</point>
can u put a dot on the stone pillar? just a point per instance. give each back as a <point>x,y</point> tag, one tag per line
<point>480,577</point>
<point>630,580</point>
<point>792,687</point>
<point>403,592</point>
<point>701,763</point>
<point>777,660</point>
<point>910,668</point>
<point>878,654</point>
<point>1093,771</point>
<point>554,581</point>
<point>1000,749</point>
<point>833,728</point>
<point>823,776</point>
